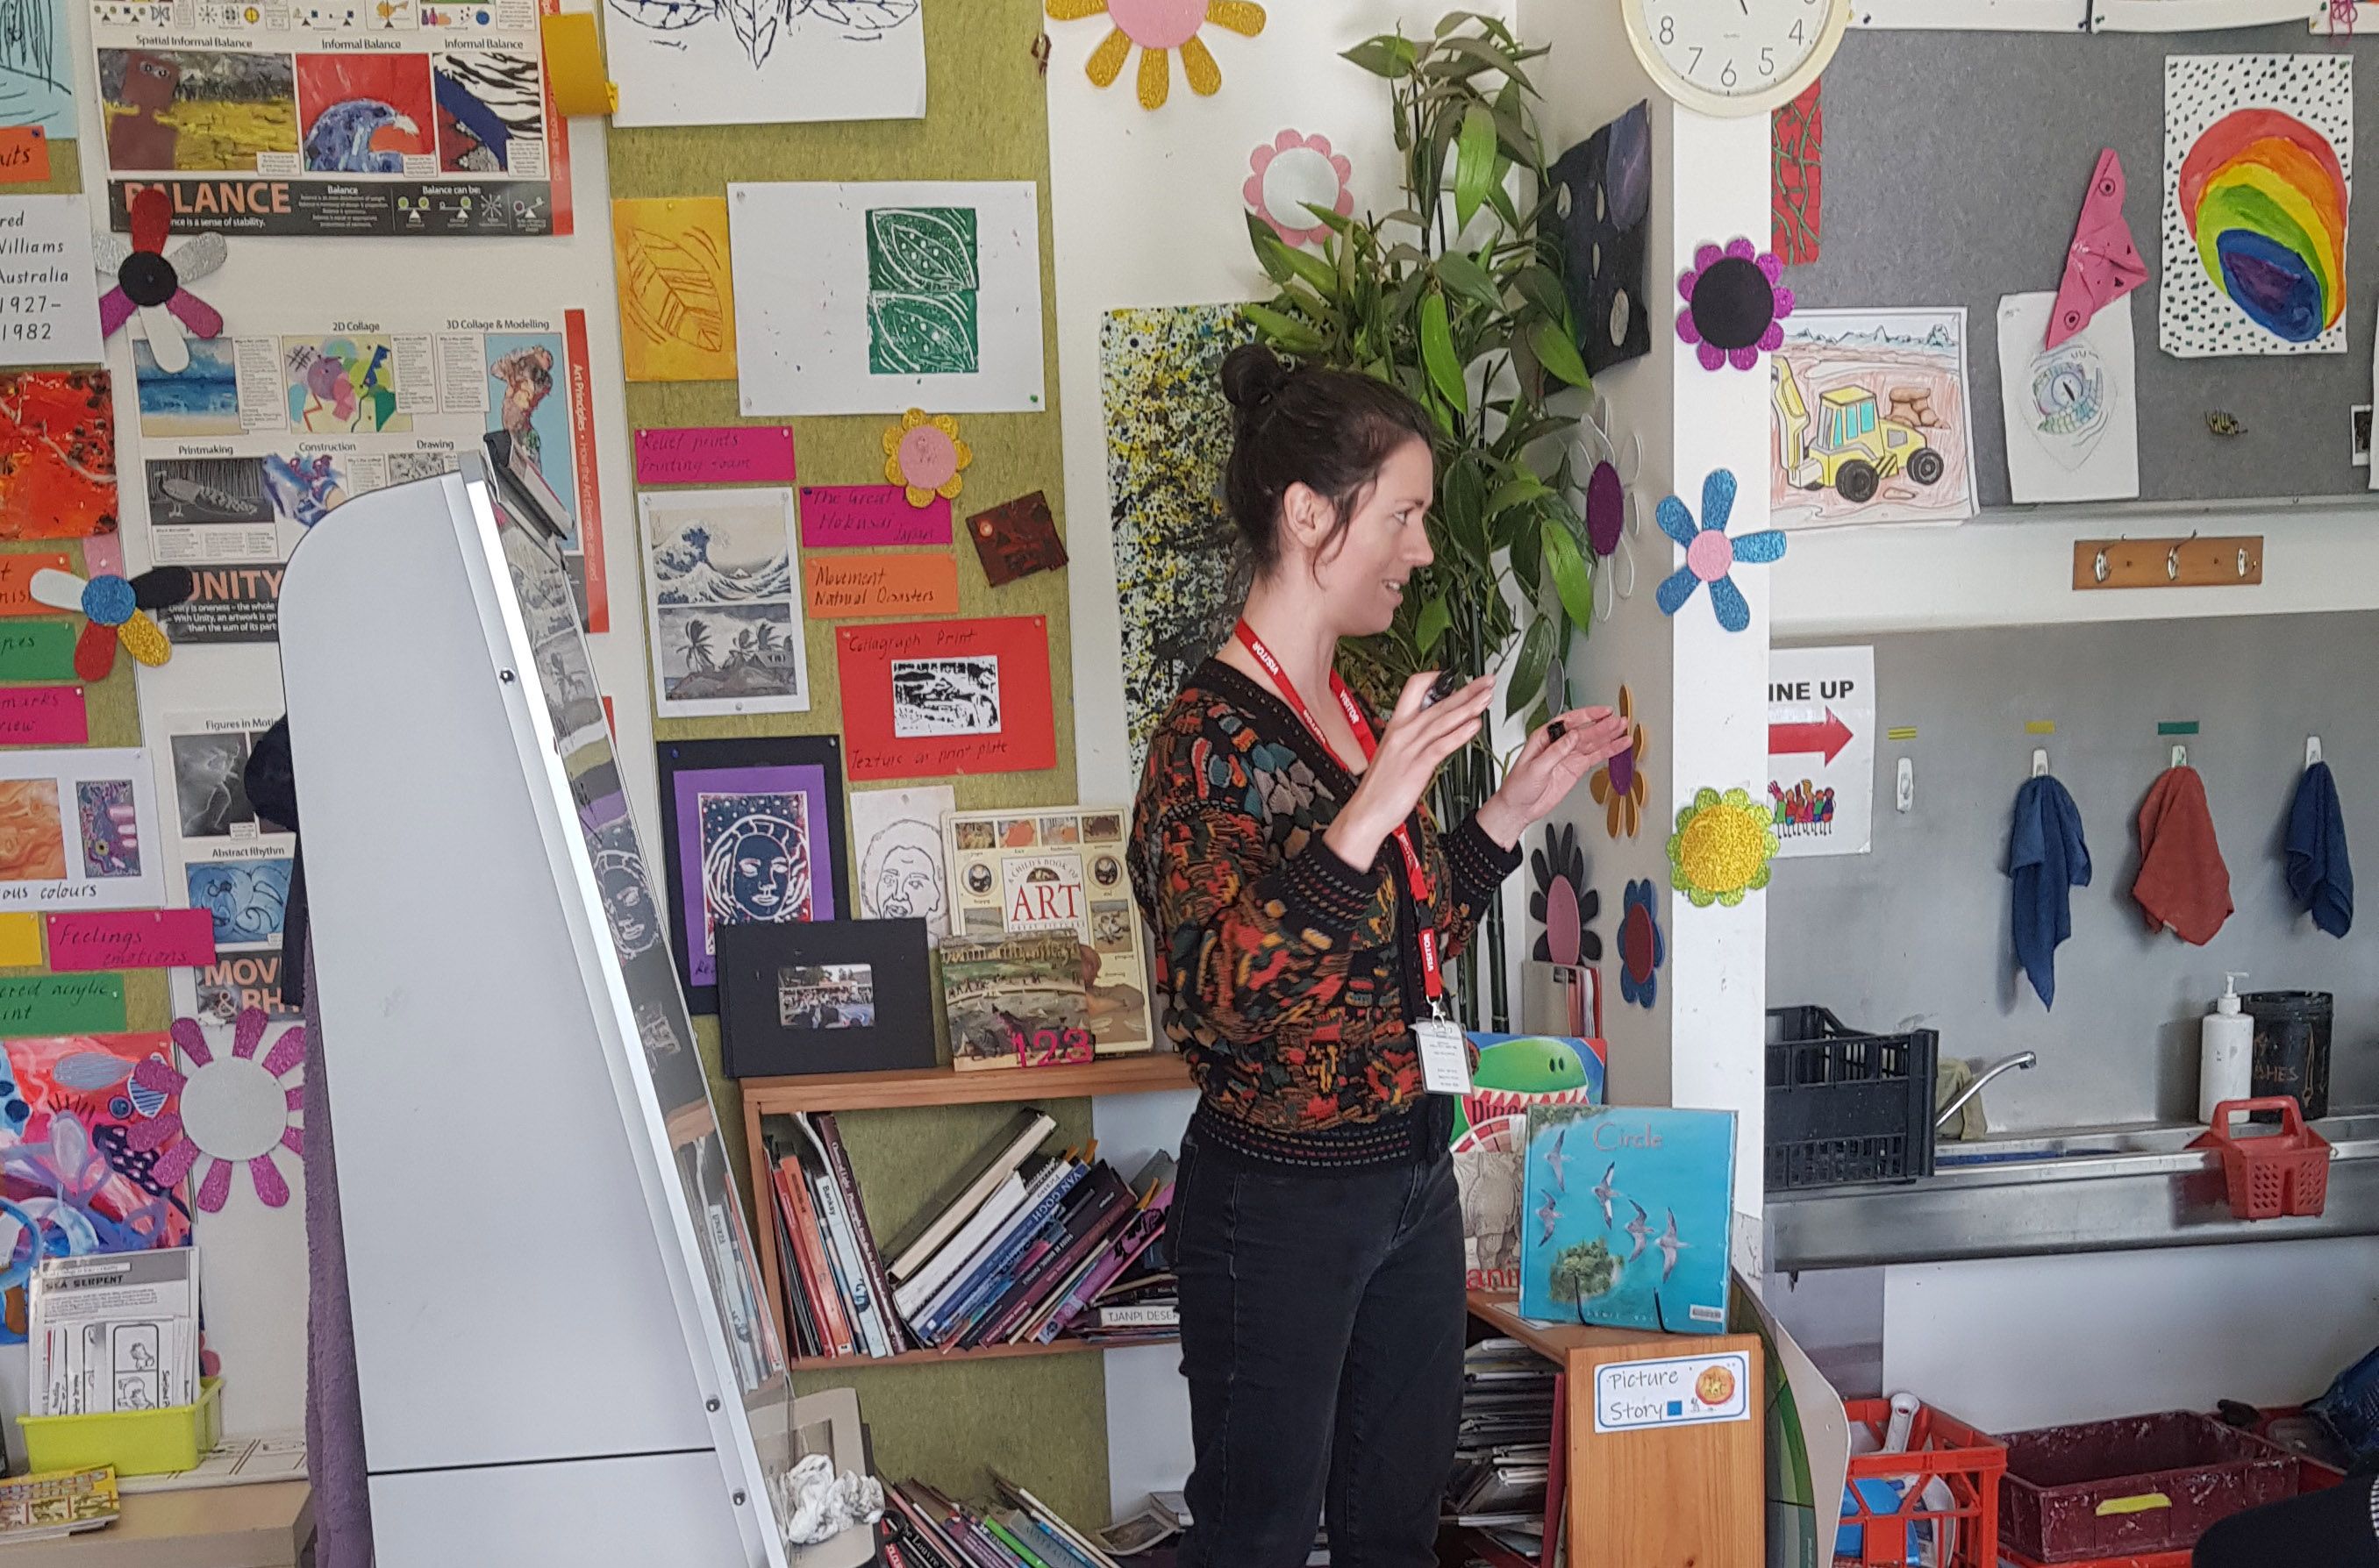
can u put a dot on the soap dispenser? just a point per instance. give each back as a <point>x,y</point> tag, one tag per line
<point>2225,1051</point>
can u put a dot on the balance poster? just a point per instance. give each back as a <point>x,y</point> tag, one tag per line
<point>1821,750</point>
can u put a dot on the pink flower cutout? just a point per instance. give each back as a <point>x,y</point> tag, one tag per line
<point>233,1109</point>
<point>1292,171</point>
<point>1734,308</point>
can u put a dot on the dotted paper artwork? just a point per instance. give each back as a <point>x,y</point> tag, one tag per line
<point>2258,166</point>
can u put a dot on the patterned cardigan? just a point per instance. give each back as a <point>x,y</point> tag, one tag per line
<point>1290,975</point>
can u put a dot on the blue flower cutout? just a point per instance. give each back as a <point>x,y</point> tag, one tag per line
<point>1710,554</point>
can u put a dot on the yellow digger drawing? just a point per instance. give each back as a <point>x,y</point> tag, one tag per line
<point>1847,447</point>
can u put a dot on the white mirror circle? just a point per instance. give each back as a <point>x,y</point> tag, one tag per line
<point>1295,178</point>
<point>233,1109</point>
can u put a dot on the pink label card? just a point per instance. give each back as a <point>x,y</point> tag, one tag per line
<point>844,516</point>
<point>131,939</point>
<point>42,716</point>
<point>721,455</point>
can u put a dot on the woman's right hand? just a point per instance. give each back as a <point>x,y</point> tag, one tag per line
<point>1417,741</point>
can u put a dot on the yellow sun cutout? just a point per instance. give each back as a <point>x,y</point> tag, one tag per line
<point>923,455</point>
<point>1159,26</point>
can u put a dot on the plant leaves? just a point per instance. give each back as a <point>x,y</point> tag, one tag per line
<point>1281,330</point>
<point>1434,622</point>
<point>1557,354</point>
<point>1540,288</point>
<point>1486,57</point>
<point>1518,491</point>
<point>1437,350</point>
<point>1386,56</point>
<point>1567,565</point>
<point>1529,670</point>
<point>1270,254</point>
<point>1474,163</point>
<point>1466,277</point>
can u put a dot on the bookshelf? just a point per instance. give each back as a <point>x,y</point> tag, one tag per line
<point>1141,1074</point>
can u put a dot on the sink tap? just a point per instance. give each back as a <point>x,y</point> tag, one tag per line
<point>2023,1059</point>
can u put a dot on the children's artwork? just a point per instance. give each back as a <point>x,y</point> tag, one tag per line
<point>2071,411</point>
<point>1157,27</point>
<point>1018,875</point>
<point>37,71</point>
<point>78,831</point>
<point>1490,1131</point>
<point>72,1181</point>
<point>149,282</point>
<point>1627,1217</point>
<point>197,109</point>
<point>57,451</point>
<point>232,1110</point>
<point>926,457</point>
<point>491,112</point>
<point>874,297</point>
<point>1871,420</point>
<point>2258,166</point>
<point>116,610</point>
<point>1796,194</point>
<point>1619,786</point>
<point>48,317</point>
<point>1722,847</point>
<point>727,629</point>
<point>1710,555</point>
<point>1642,947</point>
<point>1168,439</point>
<point>1734,308</point>
<point>1291,175</point>
<point>761,62</point>
<point>753,831</point>
<point>1607,181</point>
<point>364,113</point>
<point>1561,905</point>
<point>896,836</point>
<point>924,698</point>
<point>2102,264</point>
<point>677,294</point>
<point>1017,540</point>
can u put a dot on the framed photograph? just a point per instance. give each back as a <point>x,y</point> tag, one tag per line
<point>844,996</point>
<point>752,834</point>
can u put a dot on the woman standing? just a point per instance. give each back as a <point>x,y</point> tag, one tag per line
<point>1305,906</point>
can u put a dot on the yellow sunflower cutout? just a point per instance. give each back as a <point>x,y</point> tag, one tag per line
<point>923,455</point>
<point>1618,785</point>
<point>1160,27</point>
<point>1721,848</point>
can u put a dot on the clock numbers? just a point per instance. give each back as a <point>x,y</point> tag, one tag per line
<point>1668,29</point>
<point>1733,56</point>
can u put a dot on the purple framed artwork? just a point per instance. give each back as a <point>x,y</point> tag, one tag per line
<point>752,834</point>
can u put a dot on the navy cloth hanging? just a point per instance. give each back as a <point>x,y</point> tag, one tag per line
<point>2046,860</point>
<point>2319,873</point>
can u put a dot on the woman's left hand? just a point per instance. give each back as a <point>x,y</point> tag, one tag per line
<point>1548,769</point>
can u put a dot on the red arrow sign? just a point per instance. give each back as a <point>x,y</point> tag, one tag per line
<point>1793,739</point>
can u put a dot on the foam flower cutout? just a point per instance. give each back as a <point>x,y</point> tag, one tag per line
<point>1618,785</point>
<point>1160,27</point>
<point>148,280</point>
<point>1606,509</point>
<point>1721,848</point>
<point>1642,949</point>
<point>118,611</point>
<point>1292,175</point>
<point>235,1110</point>
<point>1710,556</point>
<point>1734,308</point>
<point>1562,903</point>
<point>923,455</point>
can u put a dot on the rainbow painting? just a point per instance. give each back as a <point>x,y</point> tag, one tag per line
<point>2257,157</point>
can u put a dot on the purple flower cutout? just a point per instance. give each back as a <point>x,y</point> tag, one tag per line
<point>1734,308</point>
<point>1710,555</point>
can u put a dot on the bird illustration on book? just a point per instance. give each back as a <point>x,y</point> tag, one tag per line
<point>1638,1229</point>
<point>1558,1162</point>
<point>1549,1215</point>
<point>1670,1246</point>
<point>1604,1190</point>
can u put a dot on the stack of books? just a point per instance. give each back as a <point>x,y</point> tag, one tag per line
<point>1022,1246</point>
<point>1505,1446</point>
<point>924,1528</point>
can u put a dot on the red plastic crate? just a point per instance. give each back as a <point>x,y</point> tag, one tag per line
<point>1969,1462</point>
<point>2283,1173</point>
<point>2134,1487</point>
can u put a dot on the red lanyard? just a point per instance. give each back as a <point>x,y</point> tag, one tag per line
<point>1432,977</point>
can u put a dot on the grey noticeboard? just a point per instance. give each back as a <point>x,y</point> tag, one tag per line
<point>1955,164</point>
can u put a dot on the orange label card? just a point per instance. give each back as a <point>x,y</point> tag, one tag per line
<point>843,587</point>
<point>24,154</point>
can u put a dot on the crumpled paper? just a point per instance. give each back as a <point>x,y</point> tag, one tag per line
<point>816,1504</point>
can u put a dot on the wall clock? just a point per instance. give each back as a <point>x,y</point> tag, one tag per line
<point>1731,57</point>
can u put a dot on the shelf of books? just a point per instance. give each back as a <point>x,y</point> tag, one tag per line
<point>942,1086</point>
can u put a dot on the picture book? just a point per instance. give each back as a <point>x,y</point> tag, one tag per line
<point>1012,996</point>
<point>1514,1071</point>
<point>1626,1217</point>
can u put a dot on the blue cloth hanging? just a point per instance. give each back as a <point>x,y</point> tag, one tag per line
<point>2319,873</point>
<point>2047,858</point>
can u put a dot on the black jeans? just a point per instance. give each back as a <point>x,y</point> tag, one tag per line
<point>1321,1335</point>
<point>2338,1528</point>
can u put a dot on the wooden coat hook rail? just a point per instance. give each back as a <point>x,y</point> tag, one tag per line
<point>2197,561</point>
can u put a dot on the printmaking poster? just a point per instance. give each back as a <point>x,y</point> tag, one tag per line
<point>758,62</point>
<point>78,831</point>
<point>1168,439</point>
<point>896,836</point>
<point>2258,163</point>
<point>2072,411</point>
<point>262,436</point>
<point>37,68</point>
<point>1870,420</point>
<point>344,117</point>
<point>726,609</point>
<point>885,296</point>
<point>226,858</point>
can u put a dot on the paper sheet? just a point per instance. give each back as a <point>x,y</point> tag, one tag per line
<point>726,626</point>
<point>677,297</point>
<point>881,296</point>
<point>49,314</point>
<point>896,836</point>
<point>760,62</point>
<point>37,70</point>
<point>78,831</point>
<point>2072,411</point>
<point>923,698</point>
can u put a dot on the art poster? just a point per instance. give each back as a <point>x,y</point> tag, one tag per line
<point>926,698</point>
<point>2072,412</point>
<point>262,436</point>
<point>58,448</point>
<point>338,118</point>
<point>1168,440</point>
<point>881,296</point>
<point>37,70</point>
<point>677,295</point>
<point>754,833</point>
<point>760,62</point>
<point>724,603</point>
<point>1017,873</point>
<point>1608,180</point>
<point>78,831</point>
<point>228,860</point>
<point>2258,166</point>
<point>896,838</point>
<point>91,1125</point>
<point>1872,420</point>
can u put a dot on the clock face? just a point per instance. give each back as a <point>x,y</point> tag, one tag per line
<point>1735,56</point>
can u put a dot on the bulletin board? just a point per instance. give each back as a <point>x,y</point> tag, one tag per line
<point>1955,164</point>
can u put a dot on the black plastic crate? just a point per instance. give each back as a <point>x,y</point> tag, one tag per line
<point>1844,1106</point>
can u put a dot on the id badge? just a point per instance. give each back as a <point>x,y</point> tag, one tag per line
<point>1444,1057</point>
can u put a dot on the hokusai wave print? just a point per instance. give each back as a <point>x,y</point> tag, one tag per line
<point>754,62</point>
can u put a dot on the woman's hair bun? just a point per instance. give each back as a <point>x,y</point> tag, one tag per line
<point>1252,374</point>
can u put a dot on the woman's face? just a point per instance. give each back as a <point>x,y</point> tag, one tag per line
<point>1363,573</point>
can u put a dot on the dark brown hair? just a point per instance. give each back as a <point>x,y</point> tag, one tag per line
<point>1329,430</point>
